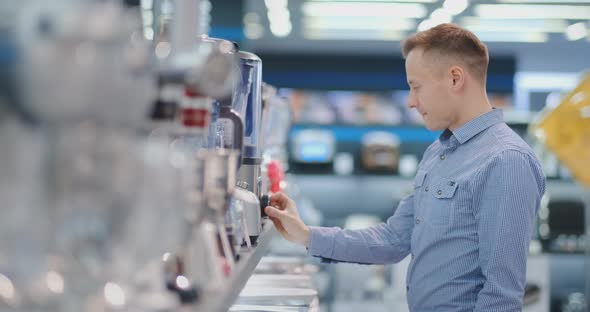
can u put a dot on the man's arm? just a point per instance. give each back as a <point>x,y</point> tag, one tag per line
<point>505,214</point>
<point>384,243</point>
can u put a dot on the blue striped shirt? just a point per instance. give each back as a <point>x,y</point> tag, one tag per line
<point>466,225</point>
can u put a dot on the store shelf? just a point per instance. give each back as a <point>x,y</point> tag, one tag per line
<point>221,301</point>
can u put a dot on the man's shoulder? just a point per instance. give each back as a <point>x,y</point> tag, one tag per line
<point>501,139</point>
<point>507,147</point>
<point>499,146</point>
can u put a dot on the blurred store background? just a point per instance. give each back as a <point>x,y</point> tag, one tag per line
<point>78,77</point>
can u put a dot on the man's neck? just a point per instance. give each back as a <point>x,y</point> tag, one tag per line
<point>473,107</point>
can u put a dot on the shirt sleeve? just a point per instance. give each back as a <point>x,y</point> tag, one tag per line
<point>508,203</point>
<point>388,242</point>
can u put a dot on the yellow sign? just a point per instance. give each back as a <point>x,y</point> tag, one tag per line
<point>566,131</point>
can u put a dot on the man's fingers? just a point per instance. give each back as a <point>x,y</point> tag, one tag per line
<point>280,200</point>
<point>278,225</point>
<point>274,212</point>
<point>278,217</point>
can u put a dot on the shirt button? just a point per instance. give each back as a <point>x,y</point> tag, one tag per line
<point>407,288</point>
<point>412,255</point>
<point>442,157</point>
<point>426,189</point>
<point>439,192</point>
<point>417,220</point>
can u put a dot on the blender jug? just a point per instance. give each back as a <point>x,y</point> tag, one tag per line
<point>248,103</point>
<point>227,127</point>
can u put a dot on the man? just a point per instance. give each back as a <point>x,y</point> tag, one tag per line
<point>468,222</point>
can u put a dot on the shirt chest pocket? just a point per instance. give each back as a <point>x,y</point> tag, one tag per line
<point>419,179</point>
<point>438,204</point>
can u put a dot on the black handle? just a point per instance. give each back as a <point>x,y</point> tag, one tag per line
<point>264,202</point>
<point>227,112</point>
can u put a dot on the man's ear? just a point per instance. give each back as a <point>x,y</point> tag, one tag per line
<point>457,75</point>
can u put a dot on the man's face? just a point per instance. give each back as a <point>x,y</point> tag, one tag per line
<point>429,91</point>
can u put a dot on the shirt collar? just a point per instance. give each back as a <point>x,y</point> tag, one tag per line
<point>471,128</point>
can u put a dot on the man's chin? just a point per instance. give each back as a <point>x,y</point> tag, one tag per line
<point>433,127</point>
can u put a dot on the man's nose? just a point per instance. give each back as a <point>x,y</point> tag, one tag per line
<point>411,101</point>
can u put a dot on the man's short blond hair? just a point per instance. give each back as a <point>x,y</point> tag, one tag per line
<point>454,42</point>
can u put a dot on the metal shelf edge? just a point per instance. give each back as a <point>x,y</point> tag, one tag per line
<point>221,301</point>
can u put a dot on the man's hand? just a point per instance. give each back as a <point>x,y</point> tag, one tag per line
<point>283,213</point>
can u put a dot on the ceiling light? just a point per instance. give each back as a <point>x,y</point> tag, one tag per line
<point>534,25</point>
<point>455,7</point>
<point>426,24</point>
<point>576,31</point>
<point>278,15</point>
<point>525,11</point>
<point>352,34</point>
<point>392,10</point>
<point>253,31</point>
<point>376,23</point>
<point>281,29</point>
<point>275,4</point>
<point>491,36</point>
<point>279,18</point>
<point>251,17</point>
<point>440,16</point>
